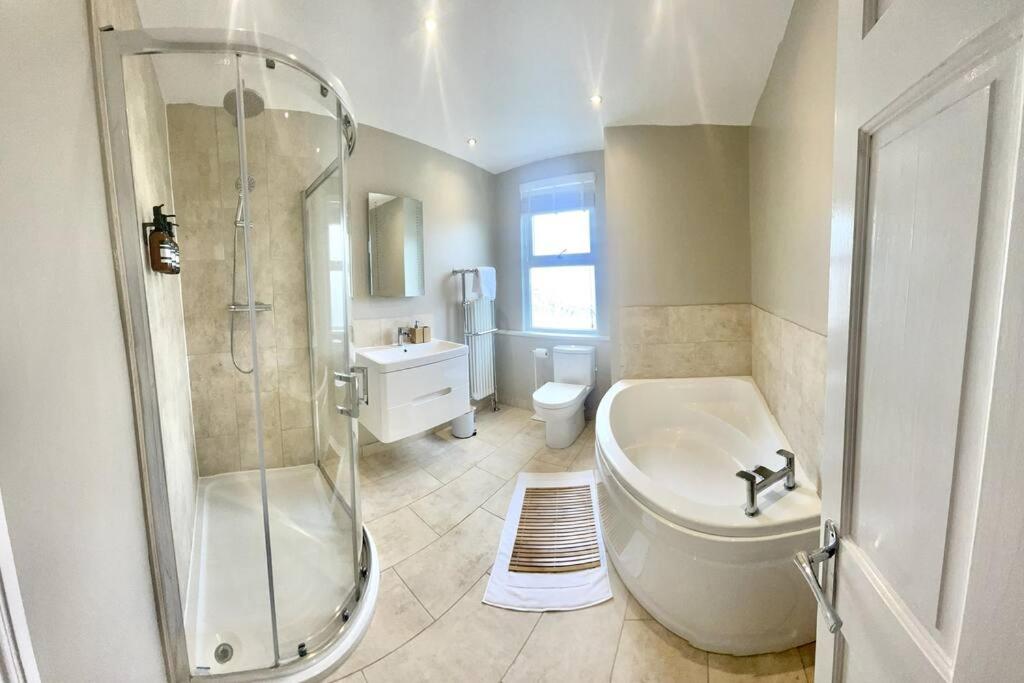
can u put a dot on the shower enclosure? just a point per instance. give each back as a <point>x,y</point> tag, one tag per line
<point>241,366</point>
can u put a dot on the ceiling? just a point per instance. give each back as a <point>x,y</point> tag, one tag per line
<point>518,75</point>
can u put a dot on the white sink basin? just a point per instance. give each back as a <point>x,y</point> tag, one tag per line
<point>413,388</point>
<point>391,358</point>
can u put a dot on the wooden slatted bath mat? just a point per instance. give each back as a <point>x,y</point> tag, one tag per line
<point>556,532</point>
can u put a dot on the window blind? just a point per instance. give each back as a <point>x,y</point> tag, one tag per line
<point>567,193</point>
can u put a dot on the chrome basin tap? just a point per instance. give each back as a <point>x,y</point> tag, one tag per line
<point>767,478</point>
<point>404,333</point>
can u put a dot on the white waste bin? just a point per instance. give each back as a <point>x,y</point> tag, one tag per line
<point>464,426</point>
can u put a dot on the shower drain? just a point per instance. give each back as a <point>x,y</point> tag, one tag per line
<point>222,653</point>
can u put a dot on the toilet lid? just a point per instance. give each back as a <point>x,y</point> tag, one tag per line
<point>554,395</point>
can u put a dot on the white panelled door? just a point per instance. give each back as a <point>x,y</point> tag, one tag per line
<point>924,466</point>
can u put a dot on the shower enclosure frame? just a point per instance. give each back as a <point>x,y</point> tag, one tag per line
<point>110,48</point>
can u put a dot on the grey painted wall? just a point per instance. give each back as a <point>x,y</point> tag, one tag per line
<point>678,219</point>
<point>791,171</point>
<point>509,305</point>
<point>458,200</point>
<point>515,352</point>
<point>68,463</point>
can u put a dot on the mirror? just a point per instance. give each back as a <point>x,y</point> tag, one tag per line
<point>396,245</point>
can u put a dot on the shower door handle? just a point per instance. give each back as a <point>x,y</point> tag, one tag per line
<point>352,395</point>
<point>805,563</point>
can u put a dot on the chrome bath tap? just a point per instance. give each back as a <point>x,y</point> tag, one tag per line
<point>767,478</point>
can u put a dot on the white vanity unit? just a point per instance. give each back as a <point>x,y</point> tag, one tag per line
<point>413,388</point>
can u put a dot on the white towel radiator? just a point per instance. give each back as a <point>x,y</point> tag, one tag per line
<point>478,330</point>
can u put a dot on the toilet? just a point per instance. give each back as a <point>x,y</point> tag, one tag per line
<point>560,403</point>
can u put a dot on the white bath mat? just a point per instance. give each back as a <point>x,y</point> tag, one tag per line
<point>551,555</point>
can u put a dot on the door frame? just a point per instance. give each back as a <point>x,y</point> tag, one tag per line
<point>109,49</point>
<point>989,597</point>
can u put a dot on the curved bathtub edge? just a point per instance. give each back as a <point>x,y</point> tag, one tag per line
<point>670,505</point>
<point>736,595</point>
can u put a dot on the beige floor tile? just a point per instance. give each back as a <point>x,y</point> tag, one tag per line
<point>457,459</point>
<point>807,657</point>
<point>472,642</point>
<point>574,646</point>
<point>530,438</point>
<point>453,502</point>
<point>584,459</point>
<point>498,503</point>
<point>506,461</point>
<point>397,618</point>
<point>393,492</point>
<point>443,571</point>
<point>563,457</point>
<point>634,610</point>
<point>499,429</point>
<point>399,535</point>
<point>357,677</point>
<point>778,667</point>
<point>650,652</point>
<point>385,463</point>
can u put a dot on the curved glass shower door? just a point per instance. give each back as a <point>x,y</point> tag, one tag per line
<point>313,523</point>
<point>250,351</point>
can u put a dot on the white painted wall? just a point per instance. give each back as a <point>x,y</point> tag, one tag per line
<point>67,447</point>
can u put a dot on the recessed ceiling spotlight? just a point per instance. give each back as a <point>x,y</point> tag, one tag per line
<point>430,23</point>
<point>596,100</point>
<point>471,142</point>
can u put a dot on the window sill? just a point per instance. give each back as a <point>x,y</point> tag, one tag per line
<point>554,335</point>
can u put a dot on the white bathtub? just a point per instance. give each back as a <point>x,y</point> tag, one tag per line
<point>672,510</point>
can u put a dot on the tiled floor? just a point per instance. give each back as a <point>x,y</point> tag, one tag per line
<point>435,507</point>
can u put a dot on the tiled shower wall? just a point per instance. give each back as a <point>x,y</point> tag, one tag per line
<point>285,154</point>
<point>789,367</point>
<point>684,341</point>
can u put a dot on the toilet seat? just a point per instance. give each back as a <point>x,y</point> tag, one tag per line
<point>557,395</point>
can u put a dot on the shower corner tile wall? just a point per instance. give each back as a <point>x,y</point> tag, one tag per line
<point>684,341</point>
<point>284,158</point>
<point>789,365</point>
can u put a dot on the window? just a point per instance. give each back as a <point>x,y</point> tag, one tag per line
<point>559,264</point>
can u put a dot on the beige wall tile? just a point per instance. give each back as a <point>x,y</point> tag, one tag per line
<point>297,446</point>
<point>283,160</point>
<point>367,332</point>
<point>216,455</point>
<point>789,364</point>
<point>685,341</point>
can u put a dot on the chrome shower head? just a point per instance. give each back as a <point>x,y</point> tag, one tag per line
<point>252,102</point>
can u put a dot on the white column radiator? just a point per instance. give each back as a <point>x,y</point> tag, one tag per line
<point>478,334</point>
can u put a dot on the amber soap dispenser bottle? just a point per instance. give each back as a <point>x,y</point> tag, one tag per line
<point>164,253</point>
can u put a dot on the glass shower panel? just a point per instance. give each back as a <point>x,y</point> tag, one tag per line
<point>292,143</point>
<point>184,146</point>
